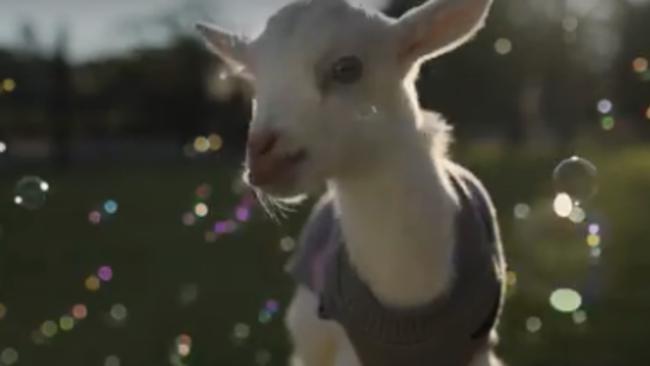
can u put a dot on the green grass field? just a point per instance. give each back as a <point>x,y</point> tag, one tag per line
<point>46,255</point>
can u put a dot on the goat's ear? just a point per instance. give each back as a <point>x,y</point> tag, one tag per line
<point>439,26</point>
<point>231,48</point>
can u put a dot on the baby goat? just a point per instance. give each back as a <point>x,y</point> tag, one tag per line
<point>400,263</point>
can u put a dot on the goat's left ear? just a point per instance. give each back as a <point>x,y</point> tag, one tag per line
<point>439,26</point>
<point>231,48</point>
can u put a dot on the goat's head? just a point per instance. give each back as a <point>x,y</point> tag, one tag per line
<point>332,83</point>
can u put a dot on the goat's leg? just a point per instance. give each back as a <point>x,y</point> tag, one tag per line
<point>315,341</point>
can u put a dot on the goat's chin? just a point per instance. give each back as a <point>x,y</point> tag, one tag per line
<point>290,191</point>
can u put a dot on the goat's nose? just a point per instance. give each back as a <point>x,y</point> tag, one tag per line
<point>261,143</point>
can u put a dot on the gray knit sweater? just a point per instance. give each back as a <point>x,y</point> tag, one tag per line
<point>447,332</point>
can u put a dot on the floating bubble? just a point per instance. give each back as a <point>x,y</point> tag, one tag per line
<point>9,356</point>
<point>92,283</point>
<point>105,273</point>
<point>119,312</point>
<point>31,192</point>
<point>110,207</point>
<point>262,357</point>
<point>3,311</point>
<point>79,311</point>
<point>579,317</point>
<point>49,329</point>
<point>112,360</point>
<point>533,324</point>
<point>66,323</point>
<point>503,46</point>
<point>565,300</point>
<point>521,211</point>
<point>575,177</point>
<point>605,106</point>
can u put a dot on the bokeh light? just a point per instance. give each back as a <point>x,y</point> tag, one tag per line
<point>241,331</point>
<point>31,192</point>
<point>577,215</point>
<point>593,240</point>
<point>521,211</point>
<point>503,46</point>
<point>9,85</point>
<point>605,106</point>
<point>66,323</point>
<point>579,317</point>
<point>640,64</point>
<point>533,324</point>
<point>647,113</point>
<point>188,219</point>
<point>79,311</point>
<point>184,345</point>
<point>3,311</point>
<point>92,283</point>
<point>287,244</point>
<point>201,144</point>
<point>565,300</point>
<point>608,123</point>
<point>110,207</point>
<point>9,356</point>
<point>105,273</point>
<point>262,357</point>
<point>112,360</point>
<point>201,210</point>
<point>215,141</point>
<point>49,328</point>
<point>119,312</point>
<point>563,205</point>
<point>95,217</point>
<point>3,147</point>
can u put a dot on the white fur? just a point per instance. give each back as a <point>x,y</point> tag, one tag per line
<point>380,157</point>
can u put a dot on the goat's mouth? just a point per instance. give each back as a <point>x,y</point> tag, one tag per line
<point>275,172</point>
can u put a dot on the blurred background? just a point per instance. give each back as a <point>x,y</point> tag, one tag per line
<point>127,238</point>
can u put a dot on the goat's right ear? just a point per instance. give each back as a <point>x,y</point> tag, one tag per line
<point>439,26</point>
<point>231,48</point>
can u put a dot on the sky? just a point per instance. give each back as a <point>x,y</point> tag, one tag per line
<point>99,27</point>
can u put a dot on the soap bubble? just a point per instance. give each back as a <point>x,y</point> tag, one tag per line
<point>31,192</point>
<point>576,177</point>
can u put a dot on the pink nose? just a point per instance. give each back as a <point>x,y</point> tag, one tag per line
<point>263,164</point>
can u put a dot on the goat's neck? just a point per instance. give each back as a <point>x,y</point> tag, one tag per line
<point>397,217</point>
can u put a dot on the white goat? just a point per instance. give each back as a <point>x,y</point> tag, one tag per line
<point>336,104</point>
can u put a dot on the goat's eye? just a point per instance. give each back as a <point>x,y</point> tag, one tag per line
<point>347,70</point>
